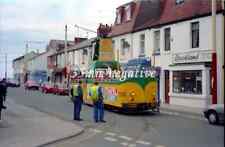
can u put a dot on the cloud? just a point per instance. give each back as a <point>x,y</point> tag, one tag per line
<point>22,20</point>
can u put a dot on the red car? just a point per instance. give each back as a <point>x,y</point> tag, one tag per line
<point>31,85</point>
<point>59,90</point>
<point>47,88</point>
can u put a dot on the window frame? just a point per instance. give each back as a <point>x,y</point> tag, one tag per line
<point>167,37</point>
<point>157,40</point>
<point>142,44</point>
<point>118,16</point>
<point>193,31</point>
<point>181,75</point>
<point>128,12</point>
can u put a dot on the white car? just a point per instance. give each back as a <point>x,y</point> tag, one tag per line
<point>215,113</point>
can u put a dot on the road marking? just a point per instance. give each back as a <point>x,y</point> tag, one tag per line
<point>124,143</point>
<point>143,142</point>
<point>132,145</point>
<point>160,146</point>
<point>110,139</point>
<point>110,134</point>
<point>96,130</point>
<point>126,138</point>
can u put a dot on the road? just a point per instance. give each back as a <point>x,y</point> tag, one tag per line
<point>131,130</point>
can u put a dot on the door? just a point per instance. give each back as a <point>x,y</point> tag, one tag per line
<point>167,88</point>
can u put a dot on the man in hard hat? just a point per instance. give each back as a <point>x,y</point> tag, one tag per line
<point>77,98</point>
<point>95,92</point>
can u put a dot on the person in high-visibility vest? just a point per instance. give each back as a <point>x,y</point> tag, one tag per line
<point>95,93</point>
<point>77,98</point>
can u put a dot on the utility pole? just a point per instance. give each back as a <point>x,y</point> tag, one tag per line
<point>6,65</point>
<point>222,39</point>
<point>65,57</point>
<point>214,56</point>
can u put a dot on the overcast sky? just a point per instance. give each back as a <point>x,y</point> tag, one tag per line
<point>37,20</point>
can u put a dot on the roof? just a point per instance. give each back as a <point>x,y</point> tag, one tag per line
<point>143,11</point>
<point>170,12</point>
<point>54,44</point>
<point>82,44</point>
<point>77,46</point>
<point>155,13</point>
<point>40,54</point>
<point>18,58</point>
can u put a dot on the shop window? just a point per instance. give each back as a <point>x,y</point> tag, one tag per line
<point>195,34</point>
<point>187,82</point>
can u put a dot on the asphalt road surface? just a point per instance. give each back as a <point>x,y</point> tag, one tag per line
<point>132,130</point>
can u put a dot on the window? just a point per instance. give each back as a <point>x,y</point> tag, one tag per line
<point>113,44</point>
<point>156,42</point>
<point>178,2</point>
<point>142,44</point>
<point>118,16</point>
<point>167,39</point>
<point>195,34</point>
<point>85,52</point>
<point>128,12</point>
<point>124,45</point>
<point>187,82</point>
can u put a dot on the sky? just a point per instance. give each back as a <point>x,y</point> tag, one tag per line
<point>36,20</point>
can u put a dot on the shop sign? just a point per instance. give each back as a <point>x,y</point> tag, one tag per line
<point>191,57</point>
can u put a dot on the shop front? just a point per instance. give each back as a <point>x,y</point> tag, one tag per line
<point>188,81</point>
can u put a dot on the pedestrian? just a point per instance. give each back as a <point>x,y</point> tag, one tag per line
<point>2,96</point>
<point>4,91</point>
<point>96,94</point>
<point>77,98</point>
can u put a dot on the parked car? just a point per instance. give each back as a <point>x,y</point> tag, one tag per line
<point>47,88</point>
<point>31,85</point>
<point>59,90</point>
<point>215,113</point>
<point>13,83</point>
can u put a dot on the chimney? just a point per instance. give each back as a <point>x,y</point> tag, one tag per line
<point>79,40</point>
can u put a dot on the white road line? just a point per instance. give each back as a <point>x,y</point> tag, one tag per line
<point>124,143</point>
<point>159,146</point>
<point>126,138</point>
<point>143,142</point>
<point>96,130</point>
<point>110,134</point>
<point>110,139</point>
<point>132,145</point>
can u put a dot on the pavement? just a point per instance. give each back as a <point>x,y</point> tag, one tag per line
<point>191,112</point>
<point>23,126</point>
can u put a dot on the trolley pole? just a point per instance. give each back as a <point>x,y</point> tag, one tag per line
<point>6,65</point>
<point>66,57</point>
<point>214,56</point>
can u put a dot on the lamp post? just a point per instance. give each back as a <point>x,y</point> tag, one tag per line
<point>214,56</point>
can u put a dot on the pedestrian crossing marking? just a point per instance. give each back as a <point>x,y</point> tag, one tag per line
<point>110,139</point>
<point>126,138</point>
<point>132,145</point>
<point>124,143</point>
<point>96,130</point>
<point>143,142</point>
<point>159,146</point>
<point>110,134</point>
